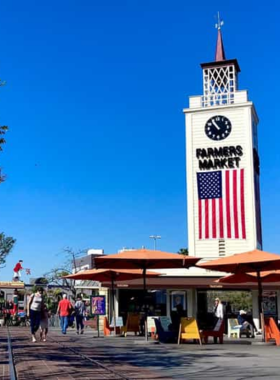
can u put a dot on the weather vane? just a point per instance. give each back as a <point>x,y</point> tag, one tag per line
<point>220,22</point>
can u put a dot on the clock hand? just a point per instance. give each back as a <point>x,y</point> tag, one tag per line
<point>216,125</point>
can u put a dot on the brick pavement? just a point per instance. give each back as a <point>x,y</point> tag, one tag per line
<point>134,361</point>
<point>4,357</point>
<point>58,359</point>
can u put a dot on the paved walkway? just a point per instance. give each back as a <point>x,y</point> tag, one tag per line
<point>88,357</point>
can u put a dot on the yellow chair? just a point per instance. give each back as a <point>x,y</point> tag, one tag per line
<point>189,330</point>
<point>132,324</point>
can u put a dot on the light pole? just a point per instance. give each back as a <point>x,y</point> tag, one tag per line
<point>155,237</point>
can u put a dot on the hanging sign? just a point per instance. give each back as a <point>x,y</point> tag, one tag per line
<point>98,305</point>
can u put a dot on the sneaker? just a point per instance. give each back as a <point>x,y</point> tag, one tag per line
<point>82,331</point>
<point>44,340</point>
<point>78,333</point>
<point>34,339</point>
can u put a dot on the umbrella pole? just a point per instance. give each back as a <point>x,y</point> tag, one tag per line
<point>145,308</point>
<point>114,312</point>
<point>260,305</point>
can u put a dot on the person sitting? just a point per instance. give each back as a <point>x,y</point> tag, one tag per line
<point>176,318</point>
<point>244,324</point>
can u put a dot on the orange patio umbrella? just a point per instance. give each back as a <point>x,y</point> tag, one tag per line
<point>243,263</point>
<point>238,278</point>
<point>268,276</point>
<point>145,259</point>
<point>110,275</point>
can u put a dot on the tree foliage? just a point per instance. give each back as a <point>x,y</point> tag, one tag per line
<point>55,276</point>
<point>184,251</point>
<point>6,245</point>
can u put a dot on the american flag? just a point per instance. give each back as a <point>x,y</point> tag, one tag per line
<point>221,206</point>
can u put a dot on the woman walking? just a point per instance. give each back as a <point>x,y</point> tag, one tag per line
<point>34,308</point>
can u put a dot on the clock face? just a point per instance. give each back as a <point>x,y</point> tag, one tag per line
<point>218,128</point>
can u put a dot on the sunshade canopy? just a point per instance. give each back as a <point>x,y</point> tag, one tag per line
<point>145,259</point>
<point>105,275</point>
<point>239,278</point>
<point>253,261</point>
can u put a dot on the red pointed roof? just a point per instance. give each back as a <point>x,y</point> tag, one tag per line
<point>220,51</point>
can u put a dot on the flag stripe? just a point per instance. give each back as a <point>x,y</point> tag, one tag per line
<point>214,218</point>
<point>206,219</point>
<point>242,205</point>
<point>235,204</point>
<point>221,218</point>
<point>200,218</point>
<point>228,206</point>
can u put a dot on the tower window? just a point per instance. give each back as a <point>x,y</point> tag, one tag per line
<point>222,247</point>
<point>219,85</point>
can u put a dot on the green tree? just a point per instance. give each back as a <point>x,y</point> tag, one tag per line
<point>184,251</point>
<point>6,245</point>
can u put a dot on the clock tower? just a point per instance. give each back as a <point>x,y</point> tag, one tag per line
<point>223,192</point>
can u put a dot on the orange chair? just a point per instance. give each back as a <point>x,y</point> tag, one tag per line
<point>271,331</point>
<point>107,329</point>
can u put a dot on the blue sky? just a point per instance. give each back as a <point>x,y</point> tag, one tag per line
<point>95,155</point>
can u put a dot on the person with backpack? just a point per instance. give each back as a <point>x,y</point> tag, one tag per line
<point>79,313</point>
<point>64,311</point>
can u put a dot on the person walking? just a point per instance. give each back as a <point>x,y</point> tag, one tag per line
<point>80,314</point>
<point>34,309</point>
<point>64,310</point>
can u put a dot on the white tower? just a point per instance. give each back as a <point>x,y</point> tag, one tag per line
<point>223,193</point>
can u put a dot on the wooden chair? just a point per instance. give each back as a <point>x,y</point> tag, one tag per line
<point>163,335</point>
<point>189,330</point>
<point>235,329</point>
<point>217,333</point>
<point>151,323</point>
<point>132,324</point>
<point>271,331</point>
